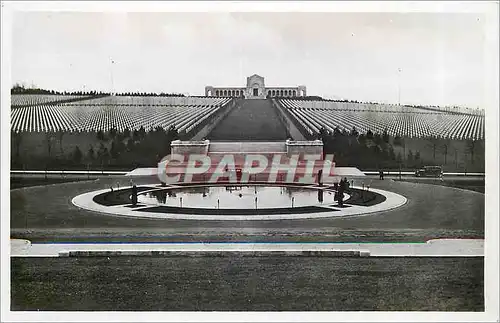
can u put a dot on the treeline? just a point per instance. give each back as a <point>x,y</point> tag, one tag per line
<point>21,89</point>
<point>373,151</point>
<point>428,107</point>
<point>114,150</point>
<point>308,98</point>
<point>150,94</point>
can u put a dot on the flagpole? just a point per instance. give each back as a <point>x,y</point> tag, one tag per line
<point>399,85</point>
<point>111,75</point>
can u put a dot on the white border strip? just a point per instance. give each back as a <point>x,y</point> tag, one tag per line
<point>431,248</point>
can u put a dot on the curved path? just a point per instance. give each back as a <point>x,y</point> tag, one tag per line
<point>48,214</point>
<point>98,201</point>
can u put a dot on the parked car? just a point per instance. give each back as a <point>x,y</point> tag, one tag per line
<point>429,171</point>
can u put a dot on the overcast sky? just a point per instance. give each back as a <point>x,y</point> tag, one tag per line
<point>336,55</point>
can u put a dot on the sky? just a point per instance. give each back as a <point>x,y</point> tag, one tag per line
<point>417,58</point>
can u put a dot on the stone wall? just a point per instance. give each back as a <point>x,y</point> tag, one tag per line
<point>290,146</point>
<point>189,147</point>
<point>291,128</point>
<point>304,147</point>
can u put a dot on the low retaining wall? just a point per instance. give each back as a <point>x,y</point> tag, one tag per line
<point>297,131</point>
<point>314,147</point>
<point>194,253</point>
<point>189,147</point>
<point>202,130</point>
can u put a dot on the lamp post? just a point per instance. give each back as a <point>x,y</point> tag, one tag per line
<point>399,85</point>
<point>111,74</point>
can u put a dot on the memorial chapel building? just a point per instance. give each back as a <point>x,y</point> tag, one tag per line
<point>255,89</point>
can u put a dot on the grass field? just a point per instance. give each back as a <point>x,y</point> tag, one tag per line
<point>47,214</point>
<point>247,284</point>
<point>19,182</point>
<point>472,184</point>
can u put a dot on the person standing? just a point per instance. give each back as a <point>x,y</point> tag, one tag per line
<point>134,196</point>
<point>341,191</point>
<point>320,175</point>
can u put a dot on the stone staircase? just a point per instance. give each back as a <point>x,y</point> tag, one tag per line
<point>251,120</point>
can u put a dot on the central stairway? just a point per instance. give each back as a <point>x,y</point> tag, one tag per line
<point>251,120</point>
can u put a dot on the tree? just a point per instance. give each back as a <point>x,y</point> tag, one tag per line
<point>113,151</point>
<point>385,136</point>
<point>105,156</point>
<point>322,133</point>
<point>471,148</point>
<point>417,159</point>
<point>49,138</point>
<point>397,140</point>
<point>172,133</point>
<point>142,132</point>
<point>112,133</point>
<point>130,145</point>
<point>77,155</point>
<point>135,135</point>
<point>90,154</point>
<point>445,151</point>
<point>399,158</point>
<point>100,152</point>
<point>337,132</point>
<point>391,153</point>
<point>362,140</point>
<point>126,132</point>
<point>433,143</point>
<point>100,135</point>
<point>17,138</point>
<point>410,156</point>
<point>60,135</point>
<point>354,132</point>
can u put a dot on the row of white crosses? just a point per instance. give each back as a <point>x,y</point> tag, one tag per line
<point>75,117</point>
<point>152,101</point>
<point>411,122</point>
<point>384,107</point>
<point>462,110</point>
<point>39,99</point>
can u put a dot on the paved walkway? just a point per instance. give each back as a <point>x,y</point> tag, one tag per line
<point>433,248</point>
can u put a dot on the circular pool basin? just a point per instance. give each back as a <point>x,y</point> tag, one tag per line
<point>238,197</point>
